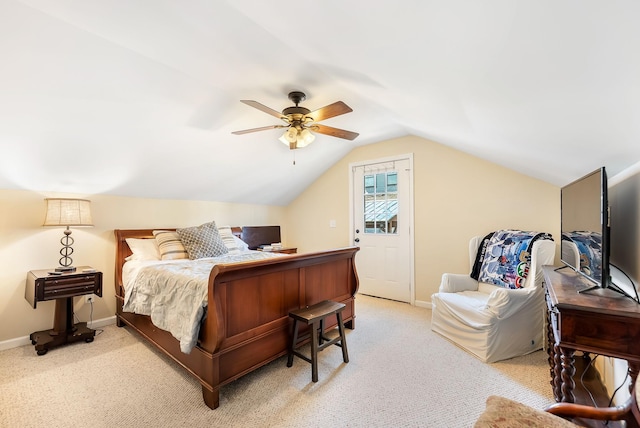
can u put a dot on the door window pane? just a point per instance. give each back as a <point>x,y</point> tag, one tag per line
<point>381,203</point>
<point>381,183</point>
<point>392,182</point>
<point>369,187</point>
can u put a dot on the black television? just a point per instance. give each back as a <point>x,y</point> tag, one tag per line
<point>256,236</point>
<point>584,227</point>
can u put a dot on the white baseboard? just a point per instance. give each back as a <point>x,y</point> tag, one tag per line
<point>423,304</point>
<point>103,322</point>
<point>21,341</point>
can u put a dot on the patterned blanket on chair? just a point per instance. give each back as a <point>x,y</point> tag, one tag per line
<point>504,257</point>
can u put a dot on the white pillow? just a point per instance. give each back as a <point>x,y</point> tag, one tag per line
<point>143,249</point>
<point>232,242</point>
<point>241,244</point>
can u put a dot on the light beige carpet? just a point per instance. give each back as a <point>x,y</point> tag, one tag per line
<point>400,374</point>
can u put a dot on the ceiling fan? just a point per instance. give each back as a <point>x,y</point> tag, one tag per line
<point>300,121</point>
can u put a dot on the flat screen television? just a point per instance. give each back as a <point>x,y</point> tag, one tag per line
<point>255,236</point>
<point>584,227</point>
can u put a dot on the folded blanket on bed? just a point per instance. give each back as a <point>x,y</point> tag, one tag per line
<point>174,293</point>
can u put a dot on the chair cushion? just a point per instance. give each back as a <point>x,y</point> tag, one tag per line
<point>504,413</point>
<point>468,307</point>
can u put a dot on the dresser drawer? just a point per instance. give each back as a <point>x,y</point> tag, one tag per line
<point>51,288</point>
<point>41,285</point>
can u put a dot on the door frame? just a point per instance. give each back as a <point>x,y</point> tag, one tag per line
<point>402,157</point>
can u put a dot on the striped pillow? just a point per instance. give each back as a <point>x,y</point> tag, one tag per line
<point>229,240</point>
<point>170,245</point>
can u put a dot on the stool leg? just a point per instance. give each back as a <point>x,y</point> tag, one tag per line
<point>314,351</point>
<point>321,332</point>
<point>343,341</point>
<point>293,343</point>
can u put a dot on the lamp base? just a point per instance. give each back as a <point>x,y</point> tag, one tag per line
<point>66,269</point>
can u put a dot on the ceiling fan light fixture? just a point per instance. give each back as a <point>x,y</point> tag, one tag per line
<point>305,138</point>
<point>291,135</point>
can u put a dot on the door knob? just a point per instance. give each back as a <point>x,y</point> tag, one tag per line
<point>357,239</point>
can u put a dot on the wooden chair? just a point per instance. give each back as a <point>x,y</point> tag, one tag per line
<point>314,316</point>
<point>502,412</point>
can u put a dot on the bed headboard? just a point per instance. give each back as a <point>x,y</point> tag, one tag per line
<point>123,251</point>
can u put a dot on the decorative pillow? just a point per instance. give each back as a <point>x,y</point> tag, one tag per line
<point>504,413</point>
<point>202,241</point>
<point>170,246</point>
<point>143,249</point>
<point>232,242</point>
<point>241,244</point>
<point>227,237</point>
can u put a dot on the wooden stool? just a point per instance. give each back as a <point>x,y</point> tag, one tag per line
<point>314,316</point>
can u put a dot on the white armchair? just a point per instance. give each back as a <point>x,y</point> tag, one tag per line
<point>492,322</point>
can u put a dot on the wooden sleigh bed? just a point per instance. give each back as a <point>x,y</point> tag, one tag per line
<point>247,323</point>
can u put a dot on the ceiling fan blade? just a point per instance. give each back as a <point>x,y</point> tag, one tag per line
<point>334,132</point>
<point>264,128</point>
<point>332,110</point>
<point>263,108</point>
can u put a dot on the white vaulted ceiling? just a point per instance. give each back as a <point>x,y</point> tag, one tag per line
<point>139,97</point>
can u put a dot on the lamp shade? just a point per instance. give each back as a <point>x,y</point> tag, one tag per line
<point>305,138</point>
<point>295,139</point>
<point>68,212</point>
<point>291,135</point>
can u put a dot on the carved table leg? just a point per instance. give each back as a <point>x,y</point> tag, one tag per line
<point>557,374</point>
<point>568,370</point>
<point>553,360</point>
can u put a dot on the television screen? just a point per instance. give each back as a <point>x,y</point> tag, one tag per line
<point>584,227</point>
<point>255,236</point>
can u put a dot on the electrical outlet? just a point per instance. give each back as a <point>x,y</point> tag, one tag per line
<point>89,298</point>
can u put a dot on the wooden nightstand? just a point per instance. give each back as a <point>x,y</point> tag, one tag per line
<point>42,286</point>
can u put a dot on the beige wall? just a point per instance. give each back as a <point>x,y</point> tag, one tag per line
<point>450,207</point>
<point>26,245</point>
<point>457,196</point>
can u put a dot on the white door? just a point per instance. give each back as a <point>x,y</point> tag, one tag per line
<point>382,227</point>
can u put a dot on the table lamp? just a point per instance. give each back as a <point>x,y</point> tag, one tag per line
<point>67,212</point>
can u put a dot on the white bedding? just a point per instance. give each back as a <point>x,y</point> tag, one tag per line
<point>174,292</point>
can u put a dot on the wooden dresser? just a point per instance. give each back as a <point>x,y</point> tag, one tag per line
<point>600,321</point>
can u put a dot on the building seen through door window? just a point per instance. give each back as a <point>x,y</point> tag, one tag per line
<point>381,203</point>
